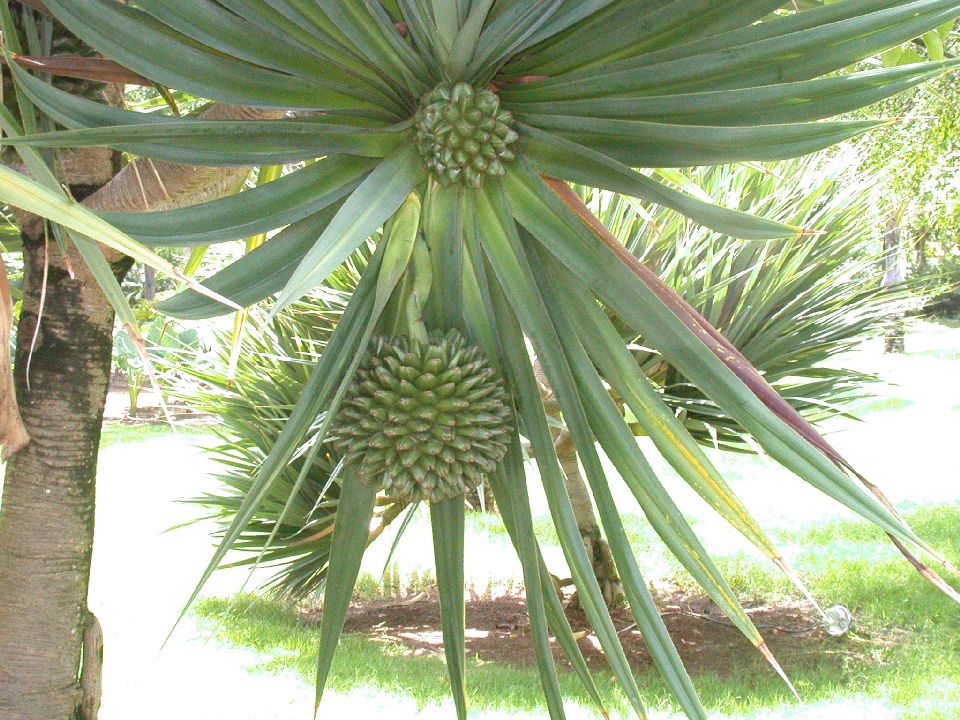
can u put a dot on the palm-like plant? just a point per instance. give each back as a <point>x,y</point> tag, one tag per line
<point>788,306</point>
<point>452,125</point>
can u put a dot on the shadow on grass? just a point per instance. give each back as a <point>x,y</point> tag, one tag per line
<point>905,650</point>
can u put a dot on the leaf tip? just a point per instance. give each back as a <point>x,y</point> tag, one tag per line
<point>769,657</point>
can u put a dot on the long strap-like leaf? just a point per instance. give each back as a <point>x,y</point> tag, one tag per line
<point>517,363</point>
<point>573,243</point>
<point>447,520</point>
<point>354,512</point>
<point>370,205</point>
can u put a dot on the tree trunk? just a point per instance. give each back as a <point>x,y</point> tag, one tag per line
<point>149,283</point>
<point>597,548</point>
<point>920,252</point>
<point>50,644</point>
<point>893,341</point>
<point>47,513</point>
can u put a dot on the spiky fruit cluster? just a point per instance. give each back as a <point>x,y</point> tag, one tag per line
<point>462,134</point>
<point>428,421</point>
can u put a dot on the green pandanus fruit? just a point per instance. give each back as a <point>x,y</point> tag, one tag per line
<point>428,421</point>
<point>462,134</point>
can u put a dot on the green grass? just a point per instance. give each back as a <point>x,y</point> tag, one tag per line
<point>904,652</point>
<point>123,433</point>
<point>885,405</point>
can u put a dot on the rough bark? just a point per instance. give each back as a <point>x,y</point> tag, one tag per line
<point>46,518</point>
<point>149,283</point>
<point>597,548</point>
<point>13,435</point>
<point>91,669</point>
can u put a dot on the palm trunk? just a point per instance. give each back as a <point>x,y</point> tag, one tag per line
<point>149,283</point>
<point>47,513</point>
<point>597,548</point>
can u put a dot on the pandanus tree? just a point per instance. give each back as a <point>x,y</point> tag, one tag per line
<point>453,126</point>
<point>790,307</point>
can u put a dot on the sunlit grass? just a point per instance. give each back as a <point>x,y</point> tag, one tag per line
<point>123,433</point>
<point>904,653</point>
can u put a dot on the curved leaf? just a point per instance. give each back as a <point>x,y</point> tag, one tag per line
<point>257,210</point>
<point>258,274</point>
<point>229,142</point>
<point>137,41</point>
<point>564,159</point>
<point>643,144</point>
<point>378,196</point>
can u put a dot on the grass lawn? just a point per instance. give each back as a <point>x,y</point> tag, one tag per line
<point>902,660</point>
<point>123,433</point>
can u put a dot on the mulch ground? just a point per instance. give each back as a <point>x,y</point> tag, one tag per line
<point>497,630</point>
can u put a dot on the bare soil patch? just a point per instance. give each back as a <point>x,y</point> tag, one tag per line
<point>149,409</point>
<point>497,630</point>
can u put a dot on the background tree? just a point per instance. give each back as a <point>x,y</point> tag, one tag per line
<point>919,159</point>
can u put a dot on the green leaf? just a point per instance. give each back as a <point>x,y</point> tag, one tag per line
<point>934,44</point>
<point>443,231</point>
<point>447,18</point>
<point>510,490</point>
<point>423,29</point>
<point>377,198</point>
<point>479,315</point>
<point>568,239</point>
<point>342,351</point>
<point>792,48</point>
<point>607,351</point>
<point>643,144</point>
<point>771,104</point>
<point>506,32</point>
<point>552,155</point>
<point>616,439</point>
<point>548,341</point>
<point>520,374</point>
<point>284,21</point>
<point>466,43</point>
<point>146,46</point>
<point>568,15</point>
<point>375,37</point>
<point>612,33</point>
<point>244,38</point>
<point>260,209</point>
<point>447,520</point>
<point>354,512</point>
<point>18,190</point>
<point>229,142</point>
<point>258,274</point>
